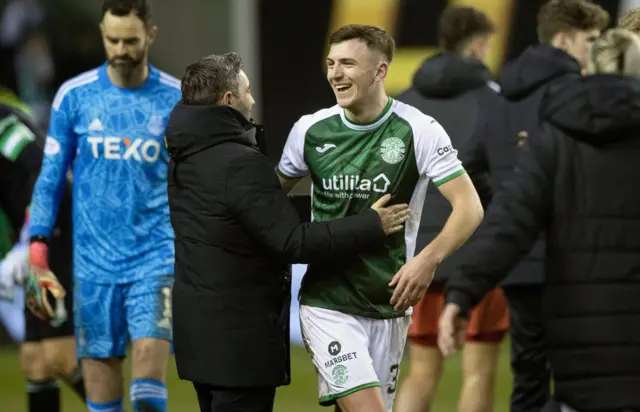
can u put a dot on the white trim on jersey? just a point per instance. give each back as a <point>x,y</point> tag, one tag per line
<point>292,163</point>
<point>412,224</point>
<point>372,126</point>
<point>80,80</point>
<point>436,159</point>
<point>169,80</point>
<point>19,135</point>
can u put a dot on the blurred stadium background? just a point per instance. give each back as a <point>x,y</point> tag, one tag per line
<point>283,43</point>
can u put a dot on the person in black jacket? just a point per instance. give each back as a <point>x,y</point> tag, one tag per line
<point>452,82</point>
<point>236,235</point>
<point>576,181</point>
<point>48,353</point>
<point>566,30</point>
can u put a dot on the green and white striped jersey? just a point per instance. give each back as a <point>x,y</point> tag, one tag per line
<point>351,166</point>
<point>14,136</point>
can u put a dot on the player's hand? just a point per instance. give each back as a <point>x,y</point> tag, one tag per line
<point>45,296</point>
<point>392,217</point>
<point>39,255</point>
<point>14,269</point>
<point>411,282</point>
<point>452,328</point>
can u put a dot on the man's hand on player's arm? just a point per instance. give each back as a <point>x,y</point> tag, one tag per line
<point>392,217</point>
<point>413,279</point>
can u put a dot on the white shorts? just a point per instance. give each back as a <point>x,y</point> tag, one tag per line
<point>351,353</point>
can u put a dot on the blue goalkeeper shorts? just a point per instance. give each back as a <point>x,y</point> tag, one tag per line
<point>108,316</point>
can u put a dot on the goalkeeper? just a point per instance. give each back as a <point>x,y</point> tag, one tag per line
<point>48,352</point>
<point>109,125</point>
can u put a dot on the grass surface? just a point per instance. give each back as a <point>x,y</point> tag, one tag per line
<point>301,395</point>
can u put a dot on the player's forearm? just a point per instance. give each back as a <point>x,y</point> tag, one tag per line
<point>45,202</point>
<point>465,218</point>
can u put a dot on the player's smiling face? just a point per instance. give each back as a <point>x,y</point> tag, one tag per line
<point>353,70</point>
<point>126,40</point>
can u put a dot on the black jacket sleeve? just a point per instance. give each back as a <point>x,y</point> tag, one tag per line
<point>519,211</point>
<point>474,160</point>
<point>259,203</point>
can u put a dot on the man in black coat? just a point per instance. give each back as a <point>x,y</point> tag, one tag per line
<point>452,82</point>
<point>576,181</point>
<point>236,235</point>
<point>566,30</point>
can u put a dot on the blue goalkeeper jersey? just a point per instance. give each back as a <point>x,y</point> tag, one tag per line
<point>113,139</point>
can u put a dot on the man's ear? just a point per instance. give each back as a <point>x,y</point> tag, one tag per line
<point>152,33</point>
<point>561,40</point>
<point>226,99</point>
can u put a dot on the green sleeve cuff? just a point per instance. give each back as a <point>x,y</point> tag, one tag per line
<point>450,177</point>
<point>284,176</point>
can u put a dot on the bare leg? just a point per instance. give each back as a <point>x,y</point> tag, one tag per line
<point>419,387</point>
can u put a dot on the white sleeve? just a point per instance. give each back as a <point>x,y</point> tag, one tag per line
<point>436,158</point>
<point>292,164</point>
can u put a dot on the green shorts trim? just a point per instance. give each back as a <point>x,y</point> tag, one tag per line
<point>331,399</point>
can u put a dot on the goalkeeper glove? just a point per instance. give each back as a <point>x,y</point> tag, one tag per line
<point>43,287</point>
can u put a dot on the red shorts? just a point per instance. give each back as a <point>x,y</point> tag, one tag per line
<point>488,321</point>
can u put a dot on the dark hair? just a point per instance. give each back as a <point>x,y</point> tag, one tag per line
<point>375,38</point>
<point>631,20</point>
<point>457,25</point>
<point>141,8</point>
<point>557,16</point>
<point>207,80</point>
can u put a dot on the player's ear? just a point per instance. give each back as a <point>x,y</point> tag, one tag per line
<point>561,40</point>
<point>102,29</point>
<point>381,72</point>
<point>152,32</point>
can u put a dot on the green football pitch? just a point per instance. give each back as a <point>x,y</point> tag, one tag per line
<point>300,396</point>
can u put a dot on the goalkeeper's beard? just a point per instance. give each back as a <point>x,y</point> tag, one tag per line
<point>125,66</point>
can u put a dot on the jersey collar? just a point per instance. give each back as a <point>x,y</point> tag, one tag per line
<point>384,115</point>
<point>106,83</point>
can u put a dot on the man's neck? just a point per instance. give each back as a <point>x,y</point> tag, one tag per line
<point>135,78</point>
<point>369,111</point>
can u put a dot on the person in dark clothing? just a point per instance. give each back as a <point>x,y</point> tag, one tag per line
<point>452,82</point>
<point>575,182</point>
<point>48,352</point>
<point>566,29</point>
<point>236,235</point>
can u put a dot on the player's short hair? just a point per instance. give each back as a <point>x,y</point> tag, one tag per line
<point>558,16</point>
<point>206,81</point>
<point>630,20</point>
<point>376,38</point>
<point>458,24</point>
<point>141,8</point>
